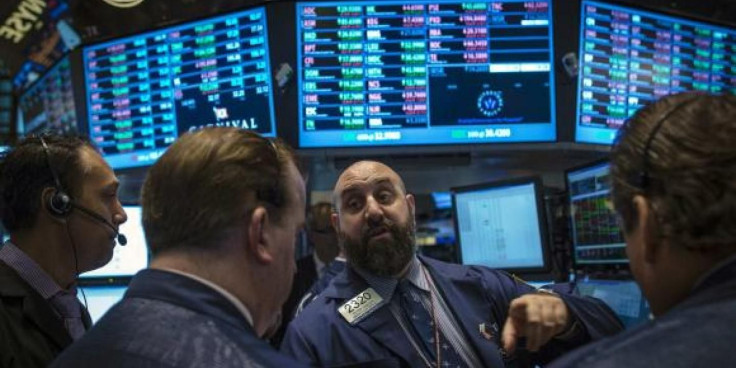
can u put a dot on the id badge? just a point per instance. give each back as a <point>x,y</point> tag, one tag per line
<point>360,306</point>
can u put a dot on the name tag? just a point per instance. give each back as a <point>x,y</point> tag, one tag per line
<point>361,305</point>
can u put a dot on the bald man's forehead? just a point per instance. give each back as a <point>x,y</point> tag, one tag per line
<point>367,172</point>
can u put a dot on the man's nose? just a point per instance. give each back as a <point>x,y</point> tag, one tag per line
<point>374,211</point>
<point>120,217</point>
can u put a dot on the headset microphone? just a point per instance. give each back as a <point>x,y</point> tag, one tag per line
<point>122,240</point>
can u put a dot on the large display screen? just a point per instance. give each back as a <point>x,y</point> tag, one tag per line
<point>596,235</point>
<point>127,259</point>
<point>631,57</point>
<point>48,104</point>
<point>424,72</point>
<point>146,90</point>
<point>500,225</point>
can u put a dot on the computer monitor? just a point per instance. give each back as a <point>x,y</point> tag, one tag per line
<point>127,260</point>
<point>48,104</point>
<point>502,225</point>
<point>101,298</point>
<point>596,235</point>
<point>144,91</point>
<point>442,200</point>
<point>630,57</point>
<point>424,72</point>
<point>623,296</point>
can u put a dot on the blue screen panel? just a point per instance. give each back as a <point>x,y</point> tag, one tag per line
<point>631,57</point>
<point>48,104</point>
<point>424,72</point>
<point>596,235</point>
<point>624,297</point>
<point>500,227</point>
<point>101,298</point>
<point>146,90</point>
<point>127,260</point>
<point>442,200</point>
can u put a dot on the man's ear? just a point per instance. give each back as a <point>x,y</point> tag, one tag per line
<point>648,228</point>
<point>258,240</point>
<point>410,202</point>
<point>335,220</point>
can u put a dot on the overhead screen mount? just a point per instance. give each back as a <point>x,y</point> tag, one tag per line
<point>144,91</point>
<point>630,57</point>
<point>48,104</point>
<point>502,225</point>
<point>424,72</point>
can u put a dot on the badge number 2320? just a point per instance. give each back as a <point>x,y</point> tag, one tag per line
<point>360,305</point>
<point>357,301</point>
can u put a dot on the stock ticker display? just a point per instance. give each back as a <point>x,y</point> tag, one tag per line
<point>48,104</point>
<point>631,57</point>
<point>596,235</point>
<point>146,90</point>
<point>424,72</point>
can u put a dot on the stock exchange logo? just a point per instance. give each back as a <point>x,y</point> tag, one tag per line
<point>123,3</point>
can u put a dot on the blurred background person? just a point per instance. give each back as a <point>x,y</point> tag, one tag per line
<point>322,241</point>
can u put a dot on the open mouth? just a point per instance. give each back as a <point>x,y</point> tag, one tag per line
<point>377,231</point>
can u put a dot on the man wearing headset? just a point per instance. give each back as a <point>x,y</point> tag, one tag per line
<point>59,203</point>
<point>673,170</point>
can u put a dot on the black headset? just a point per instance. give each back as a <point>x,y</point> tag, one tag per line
<point>60,203</point>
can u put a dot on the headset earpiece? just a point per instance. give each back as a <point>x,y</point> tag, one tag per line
<point>59,204</point>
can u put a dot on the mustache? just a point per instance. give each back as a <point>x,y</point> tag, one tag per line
<point>377,227</point>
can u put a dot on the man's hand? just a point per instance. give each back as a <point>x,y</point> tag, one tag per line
<point>538,317</point>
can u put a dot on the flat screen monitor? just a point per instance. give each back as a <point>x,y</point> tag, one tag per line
<point>442,200</point>
<point>127,260</point>
<point>502,225</point>
<point>597,237</point>
<point>48,104</point>
<point>623,296</point>
<point>383,73</point>
<point>101,298</point>
<point>630,57</point>
<point>144,91</point>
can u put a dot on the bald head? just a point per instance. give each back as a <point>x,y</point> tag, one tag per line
<point>375,218</point>
<point>361,172</point>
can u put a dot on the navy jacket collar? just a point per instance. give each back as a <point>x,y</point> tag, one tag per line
<point>348,283</point>
<point>186,293</point>
<point>721,273</point>
<point>456,285</point>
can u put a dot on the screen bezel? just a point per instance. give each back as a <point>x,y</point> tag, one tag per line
<point>69,58</point>
<point>536,181</point>
<point>422,147</point>
<point>612,267</point>
<point>633,7</point>
<point>80,83</point>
